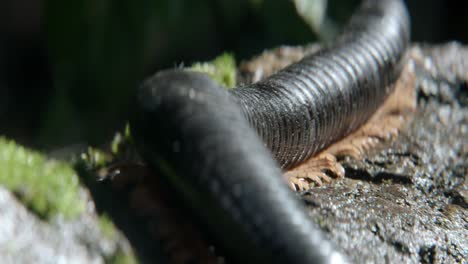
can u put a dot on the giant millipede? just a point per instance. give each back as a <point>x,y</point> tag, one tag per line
<point>223,151</point>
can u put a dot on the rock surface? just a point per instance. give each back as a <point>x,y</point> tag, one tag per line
<point>25,238</point>
<point>406,201</point>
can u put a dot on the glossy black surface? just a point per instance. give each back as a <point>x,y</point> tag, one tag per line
<point>312,103</point>
<point>201,137</point>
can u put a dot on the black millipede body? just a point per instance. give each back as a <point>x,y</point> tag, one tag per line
<point>222,151</point>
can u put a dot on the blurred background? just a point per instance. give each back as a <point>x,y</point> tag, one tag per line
<point>69,68</point>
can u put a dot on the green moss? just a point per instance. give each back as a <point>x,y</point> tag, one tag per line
<point>122,257</point>
<point>121,140</point>
<point>107,227</point>
<point>222,69</point>
<point>95,158</point>
<point>48,187</point>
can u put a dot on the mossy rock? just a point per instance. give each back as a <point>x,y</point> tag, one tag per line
<point>48,187</point>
